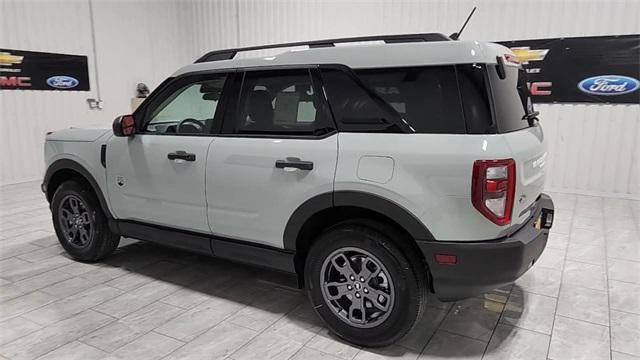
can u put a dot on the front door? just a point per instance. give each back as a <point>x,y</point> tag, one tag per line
<point>158,175</point>
<point>278,149</point>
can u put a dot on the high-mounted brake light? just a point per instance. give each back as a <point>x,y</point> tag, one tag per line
<point>512,58</point>
<point>493,188</point>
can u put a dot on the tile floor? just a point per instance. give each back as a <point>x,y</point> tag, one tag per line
<point>580,301</point>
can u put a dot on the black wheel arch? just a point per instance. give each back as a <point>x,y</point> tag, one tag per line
<point>65,169</point>
<point>353,200</point>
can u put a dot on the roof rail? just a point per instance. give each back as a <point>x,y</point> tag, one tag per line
<point>228,54</point>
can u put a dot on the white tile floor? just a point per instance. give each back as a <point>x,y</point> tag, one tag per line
<point>580,301</point>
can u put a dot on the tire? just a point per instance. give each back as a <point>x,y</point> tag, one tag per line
<point>76,204</point>
<point>400,284</point>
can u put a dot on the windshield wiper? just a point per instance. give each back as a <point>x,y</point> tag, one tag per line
<point>531,117</point>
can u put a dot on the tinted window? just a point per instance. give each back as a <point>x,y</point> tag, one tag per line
<point>280,102</point>
<point>510,98</point>
<point>475,100</point>
<point>354,107</point>
<point>189,109</point>
<point>426,98</point>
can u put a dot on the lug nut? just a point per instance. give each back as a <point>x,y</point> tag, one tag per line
<point>352,277</point>
<point>366,291</point>
<point>361,279</point>
<point>349,287</point>
<point>358,295</point>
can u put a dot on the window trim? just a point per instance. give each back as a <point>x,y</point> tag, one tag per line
<point>231,111</point>
<point>169,87</point>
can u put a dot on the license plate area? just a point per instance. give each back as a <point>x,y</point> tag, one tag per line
<point>544,220</point>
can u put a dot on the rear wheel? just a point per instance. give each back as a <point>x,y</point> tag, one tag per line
<point>362,284</point>
<point>80,223</point>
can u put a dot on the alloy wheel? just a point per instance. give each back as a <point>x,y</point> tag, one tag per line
<point>357,287</point>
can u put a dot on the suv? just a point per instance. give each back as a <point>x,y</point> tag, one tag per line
<point>375,173</point>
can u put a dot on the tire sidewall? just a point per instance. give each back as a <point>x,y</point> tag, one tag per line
<point>406,299</point>
<point>90,252</point>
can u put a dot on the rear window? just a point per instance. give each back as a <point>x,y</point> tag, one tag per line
<point>510,98</point>
<point>430,99</point>
<point>426,98</point>
<point>475,100</point>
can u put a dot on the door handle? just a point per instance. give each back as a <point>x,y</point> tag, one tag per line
<point>181,155</point>
<point>293,162</point>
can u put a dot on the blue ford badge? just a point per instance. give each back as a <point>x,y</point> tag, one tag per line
<point>62,82</point>
<point>609,85</point>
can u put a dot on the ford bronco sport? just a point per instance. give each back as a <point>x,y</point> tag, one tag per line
<point>375,173</point>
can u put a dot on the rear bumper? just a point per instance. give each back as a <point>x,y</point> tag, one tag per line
<point>484,265</point>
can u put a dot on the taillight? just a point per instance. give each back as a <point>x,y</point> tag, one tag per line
<point>493,188</point>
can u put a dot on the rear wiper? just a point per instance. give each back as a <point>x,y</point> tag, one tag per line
<point>531,117</point>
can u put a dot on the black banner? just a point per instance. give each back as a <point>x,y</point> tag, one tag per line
<point>599,69</point>
<point>30,70</point>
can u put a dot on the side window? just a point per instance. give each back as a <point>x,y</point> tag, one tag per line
<point>280,102</point>
<point>190,109</point>
<point>425,97</point>
<point>356,109</point>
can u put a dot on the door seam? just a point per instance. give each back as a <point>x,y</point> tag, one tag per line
<point>206,198</point>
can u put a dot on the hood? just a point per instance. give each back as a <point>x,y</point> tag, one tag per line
<point>75,134</point>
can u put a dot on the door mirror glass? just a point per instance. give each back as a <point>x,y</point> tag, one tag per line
<point>124,126</point>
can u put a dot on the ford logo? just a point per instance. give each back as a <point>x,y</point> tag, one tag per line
<point>62,82</point>
<point>609,85</point>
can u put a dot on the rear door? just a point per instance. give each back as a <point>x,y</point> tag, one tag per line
<point>511,102</point>
<point>278,149</point>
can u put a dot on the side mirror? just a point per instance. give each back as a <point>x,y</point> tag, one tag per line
<point>124,126</point>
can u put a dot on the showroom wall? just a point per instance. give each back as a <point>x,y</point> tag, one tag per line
<point>135,42</point>
<point>594,149</point>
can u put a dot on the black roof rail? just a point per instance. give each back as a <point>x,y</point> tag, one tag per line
<point>228,54</point>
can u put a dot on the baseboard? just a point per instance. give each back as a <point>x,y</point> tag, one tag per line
<point>595,193</point>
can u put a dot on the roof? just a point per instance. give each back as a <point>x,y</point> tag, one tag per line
<point>364,56</point>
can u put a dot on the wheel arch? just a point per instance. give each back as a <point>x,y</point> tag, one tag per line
<point>65,169</point>
<point>329,208</point>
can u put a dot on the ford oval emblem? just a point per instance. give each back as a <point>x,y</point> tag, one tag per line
<point>609,85</point>
<point>62,82</point>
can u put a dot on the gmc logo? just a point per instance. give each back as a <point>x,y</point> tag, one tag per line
<point>15,81</point>
<point>540,88</point>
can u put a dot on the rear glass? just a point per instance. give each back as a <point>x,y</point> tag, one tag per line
<point>426,98</point>
<point>475,100</point>
<point>510,98</point>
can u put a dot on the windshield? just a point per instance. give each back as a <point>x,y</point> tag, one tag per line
<point>511,98</point>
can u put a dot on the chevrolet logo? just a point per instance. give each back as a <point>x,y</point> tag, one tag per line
<point>6,59</point>
<point>525,54</point>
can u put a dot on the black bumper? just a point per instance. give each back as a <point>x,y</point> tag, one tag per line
<point>484,265</point>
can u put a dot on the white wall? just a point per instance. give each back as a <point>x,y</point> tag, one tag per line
<point>139,41</point>
<point>595,149</point>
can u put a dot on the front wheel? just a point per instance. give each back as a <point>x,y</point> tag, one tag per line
<point>80,223</point>
<point>362,284</point>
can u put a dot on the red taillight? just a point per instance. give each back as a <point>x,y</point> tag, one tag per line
<point>493,188</point>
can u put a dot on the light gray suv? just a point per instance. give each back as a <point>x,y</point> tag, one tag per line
<point>375,172</point>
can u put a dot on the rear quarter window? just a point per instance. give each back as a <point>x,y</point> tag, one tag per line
<point>427,98</point>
